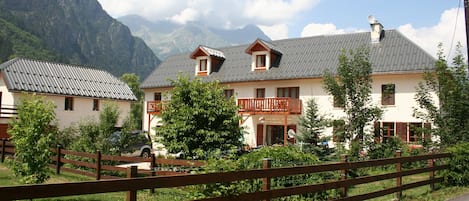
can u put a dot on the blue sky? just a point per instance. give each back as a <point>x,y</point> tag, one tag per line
<point>426,22</point>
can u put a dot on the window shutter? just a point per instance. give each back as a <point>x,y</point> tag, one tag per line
<point>401,130</point>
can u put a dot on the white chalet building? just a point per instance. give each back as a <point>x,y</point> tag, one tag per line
<point>272,81</point>
<point>78,92</point>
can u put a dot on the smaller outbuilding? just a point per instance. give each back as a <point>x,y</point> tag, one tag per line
<point>78,92</point>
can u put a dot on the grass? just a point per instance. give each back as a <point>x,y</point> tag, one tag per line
<point>8,179</point>
<point>179,194</point>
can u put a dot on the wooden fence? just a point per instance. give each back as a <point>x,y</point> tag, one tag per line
<point>131,185</point>
<point>100,163</point>
<point>97,164</point>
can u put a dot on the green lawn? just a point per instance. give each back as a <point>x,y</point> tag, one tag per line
<point>176,194</point>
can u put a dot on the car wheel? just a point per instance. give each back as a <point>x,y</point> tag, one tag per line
<point>145,153</point>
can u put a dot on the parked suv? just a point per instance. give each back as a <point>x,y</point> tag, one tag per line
<point>137,144</point>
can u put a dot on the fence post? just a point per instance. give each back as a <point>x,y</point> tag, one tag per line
<point>131,173</point>
<point>343,175</point>
<point>58,162</point>
<point>3,149</point>
<point>399,179</point>
<point>98,165</point>
<point>267,164</point>
<point>431,163</point>
<point>153,172</point>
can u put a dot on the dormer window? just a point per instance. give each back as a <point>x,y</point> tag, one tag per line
<point>207,60</point>
<point>260,61</point>
<point>264,55</point>
<point>203,65</point>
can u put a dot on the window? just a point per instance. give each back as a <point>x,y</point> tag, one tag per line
<point>203,65</point>
<point>388,130</point>
<point>415,132</point>
<point>229,93</point>
<point>260,61</point>
<point>338,131</point>
<point>95,104</point>
<point>260,93</point>
<point>69,103</point>
<point>387,94</point>
<point>288,92</point>
<point>157,96</point>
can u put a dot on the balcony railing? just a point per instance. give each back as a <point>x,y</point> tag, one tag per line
<point>270,106</point>
<point>154,107</point>
<point>8,111</point>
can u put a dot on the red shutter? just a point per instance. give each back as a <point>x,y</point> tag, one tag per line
<point>260,134</point>
<point>401,130</point>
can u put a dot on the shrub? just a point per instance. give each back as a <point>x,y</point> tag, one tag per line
<point>281,157</point>
<point>32,132</point>
<point>458,172</point>
<point>386,149</point>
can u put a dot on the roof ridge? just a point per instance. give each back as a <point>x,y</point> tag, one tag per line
<point>85,66</point>
<point>272,42</point>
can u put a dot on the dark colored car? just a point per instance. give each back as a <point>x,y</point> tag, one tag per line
<point>137,144</point>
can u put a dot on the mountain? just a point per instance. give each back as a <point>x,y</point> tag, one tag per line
<point>166,38</point>
<point>76,32</point>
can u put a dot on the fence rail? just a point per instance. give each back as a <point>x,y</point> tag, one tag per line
<point>131,185</point>
<point>96,162</point>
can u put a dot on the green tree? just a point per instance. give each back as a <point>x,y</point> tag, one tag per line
<point>136,108</point>
<point>351,89</point>
<point>199,119</point>
<point>33,133</point>
<point>449,112</point>
<point>311,124</point>
<point>94,135</point>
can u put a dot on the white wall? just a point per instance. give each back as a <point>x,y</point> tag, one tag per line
<point>405,85</point>
<point>83,110</point>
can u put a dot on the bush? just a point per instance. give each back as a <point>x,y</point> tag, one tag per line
<point>386,149</point>
<point>458,172</point>
<point>281,157</point>
<point>33,133</point>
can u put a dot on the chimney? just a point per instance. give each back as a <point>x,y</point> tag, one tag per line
<point>377,32</point>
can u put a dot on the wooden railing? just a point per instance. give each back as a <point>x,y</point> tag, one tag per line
<point>270,105</point>
<point>8,111</point>
<point>131,185</point>
<point>95,164</point>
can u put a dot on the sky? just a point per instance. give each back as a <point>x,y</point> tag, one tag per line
<point>426,22</point>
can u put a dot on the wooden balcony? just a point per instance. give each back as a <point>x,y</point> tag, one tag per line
<point>154,107</point>
<point>8,111</point>
<point>270,106</point>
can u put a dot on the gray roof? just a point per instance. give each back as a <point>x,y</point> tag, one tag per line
<point>213,52</point>
<point>63,79</point>
<point>307,57</point>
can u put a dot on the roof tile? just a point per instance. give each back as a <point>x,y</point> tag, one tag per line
<point>302,58</point>
<point>54,78</point>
